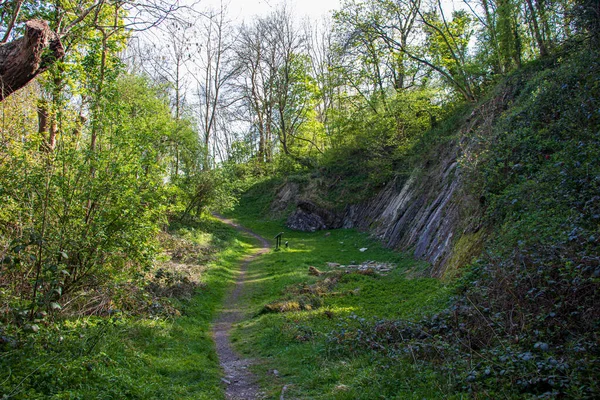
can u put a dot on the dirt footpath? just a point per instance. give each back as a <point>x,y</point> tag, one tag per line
<point>240,382</point>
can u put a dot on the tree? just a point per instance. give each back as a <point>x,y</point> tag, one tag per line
<point>167,64</point>
<point>255,82</point>
<point>275,83</point>
<point>41,45</point>
<point>446,41</point>
<point>365,57</point>
<point>323,62</point>
<point>448,48</point>
<point>587,17</point>
<point>212,71</point>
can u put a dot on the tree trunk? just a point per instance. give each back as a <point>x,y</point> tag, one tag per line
<point>536,30</point>
<point>23,59</point>
<point>47,126</point>
<point>42,110</point>
<point>492,29</point>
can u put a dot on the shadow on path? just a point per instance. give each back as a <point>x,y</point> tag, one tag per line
<point>241,383</point>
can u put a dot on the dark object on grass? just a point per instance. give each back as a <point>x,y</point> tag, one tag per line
<point>278,240</point>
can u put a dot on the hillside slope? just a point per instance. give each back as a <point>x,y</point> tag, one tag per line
<point>454,197</point>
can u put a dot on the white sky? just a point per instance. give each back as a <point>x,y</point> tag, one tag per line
<point>314,9</point>
<point>246,9</point>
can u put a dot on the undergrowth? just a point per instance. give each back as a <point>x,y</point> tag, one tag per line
<point>151,342</point>
<point>531,303</point>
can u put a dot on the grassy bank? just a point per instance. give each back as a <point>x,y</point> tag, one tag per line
<point>130,356</point>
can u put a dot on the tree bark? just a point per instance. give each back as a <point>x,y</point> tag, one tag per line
<point>47,126</point>
<point>536,30</point>
<point>23,59</point>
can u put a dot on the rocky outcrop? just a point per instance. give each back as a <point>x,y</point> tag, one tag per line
<point>426,213</point>
<point>430,213</point>
<point>423,214</point>
<point>308,217</point>
<point>302,221</point>
<point>286,195</point>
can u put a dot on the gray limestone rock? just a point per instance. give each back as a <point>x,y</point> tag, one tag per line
<point>304,221</point>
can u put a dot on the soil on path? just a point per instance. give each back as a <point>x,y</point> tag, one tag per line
<point>241,383</point>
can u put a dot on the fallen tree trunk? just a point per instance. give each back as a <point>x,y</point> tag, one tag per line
<point>24,58</point>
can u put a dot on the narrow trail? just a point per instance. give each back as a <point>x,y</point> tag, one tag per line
<point>241,383</point>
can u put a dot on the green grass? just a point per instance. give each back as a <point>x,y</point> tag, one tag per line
<point>174,358</point>
<point>296,343</point>
<point>133,357</point>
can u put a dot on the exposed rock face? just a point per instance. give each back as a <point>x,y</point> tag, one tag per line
<point>423,214</point>
<point>285,196</point>
<point>308,217</point>
<point>300,220</point>
<point>430,214</point>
